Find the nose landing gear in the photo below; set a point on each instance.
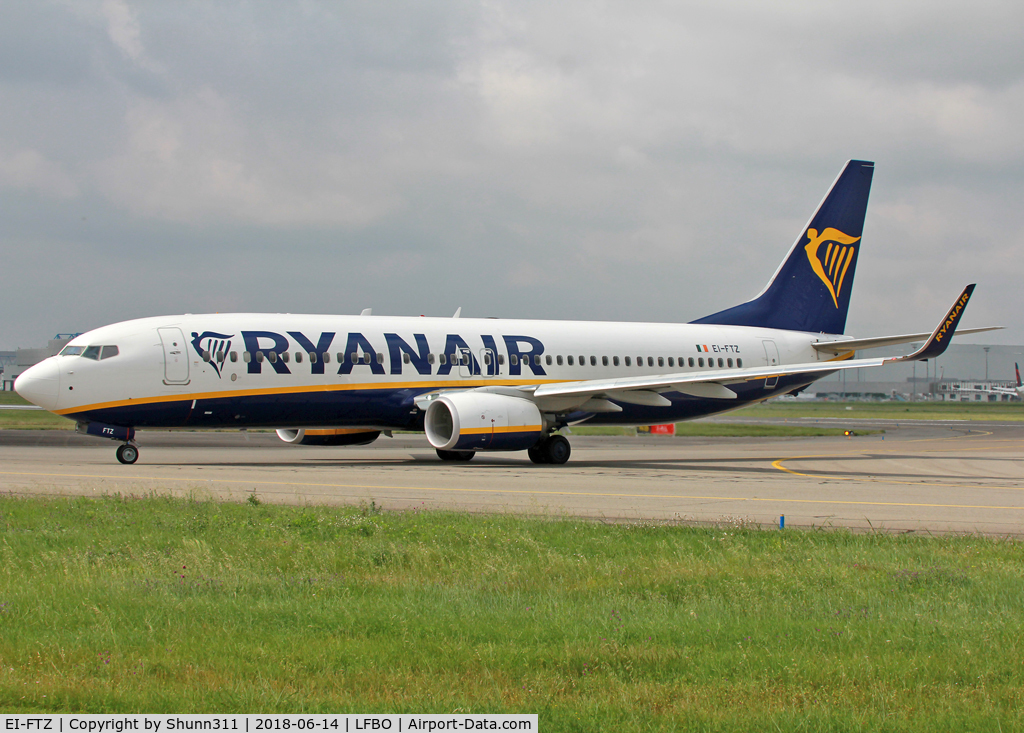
(127, 453)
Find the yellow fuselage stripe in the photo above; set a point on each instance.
(303, 390)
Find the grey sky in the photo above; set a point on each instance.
(623, 161)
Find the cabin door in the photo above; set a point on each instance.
(175, 355)
(771, 354)
(465, 362)
(488, 363)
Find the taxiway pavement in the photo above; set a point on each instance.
(920, 476)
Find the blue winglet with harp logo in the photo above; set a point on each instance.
(811, 289)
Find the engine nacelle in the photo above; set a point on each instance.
(482, 421)
(334, 436)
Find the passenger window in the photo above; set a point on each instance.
(583, 360)
(729, 362)
(604, 361)
(405, 358)
(286, 356)
(513, 359)
(234, 357)
(700, 361)
(721, 362)
(671, 361)
(327, 357)
(629, 361)
(246, 357)
(298, 357)
(559, 360)
(615, 360)
(501, 359)
(650, 361)
(273, 357)
(739, 363)
(430, 358)
(569, 360)
(220, 355)
(443, 359)
(690, 361)
(593, 361)
(259, 357)
(380, 357)
(206, 354)
(487, 358)
(548, 359)
(366, 358)
(354, 357)
(661, 361)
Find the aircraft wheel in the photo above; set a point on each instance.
(556, 450)
(536, 454)
(127, 453)
(455, 455)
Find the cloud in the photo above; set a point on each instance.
(603, 161)
(28, 170)
(192, 159)
(123, 29)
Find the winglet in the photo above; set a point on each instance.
(1017, 369)
(939, 340)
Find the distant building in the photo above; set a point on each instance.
(962, 364)
(22, 359)
(974, 391)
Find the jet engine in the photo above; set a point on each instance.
(340, 436)
(471, 421)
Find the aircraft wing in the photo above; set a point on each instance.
(715, 384)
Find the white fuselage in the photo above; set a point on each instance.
(247, 370)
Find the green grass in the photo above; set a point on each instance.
(1012, 411)
(12, 398)
(161, 605)
(698, 428)
(29, 419)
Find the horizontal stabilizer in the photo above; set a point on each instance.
(845, 347)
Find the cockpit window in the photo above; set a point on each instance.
(90, 352)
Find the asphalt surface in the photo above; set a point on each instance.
(920, 476)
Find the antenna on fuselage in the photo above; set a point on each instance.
(367, 312)
(458, 312)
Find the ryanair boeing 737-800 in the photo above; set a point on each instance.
(476, 384)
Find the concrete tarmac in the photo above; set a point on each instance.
(920, 476)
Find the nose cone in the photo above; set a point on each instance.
(40, 384)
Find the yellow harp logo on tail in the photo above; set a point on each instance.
(831, 265)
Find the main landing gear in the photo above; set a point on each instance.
(127, 453)
(554, 449)
(456, 455)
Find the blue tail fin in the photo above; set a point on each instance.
(811, 289)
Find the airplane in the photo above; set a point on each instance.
(1017, 391)
(475, 385)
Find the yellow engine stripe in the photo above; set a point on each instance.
(506, 429)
